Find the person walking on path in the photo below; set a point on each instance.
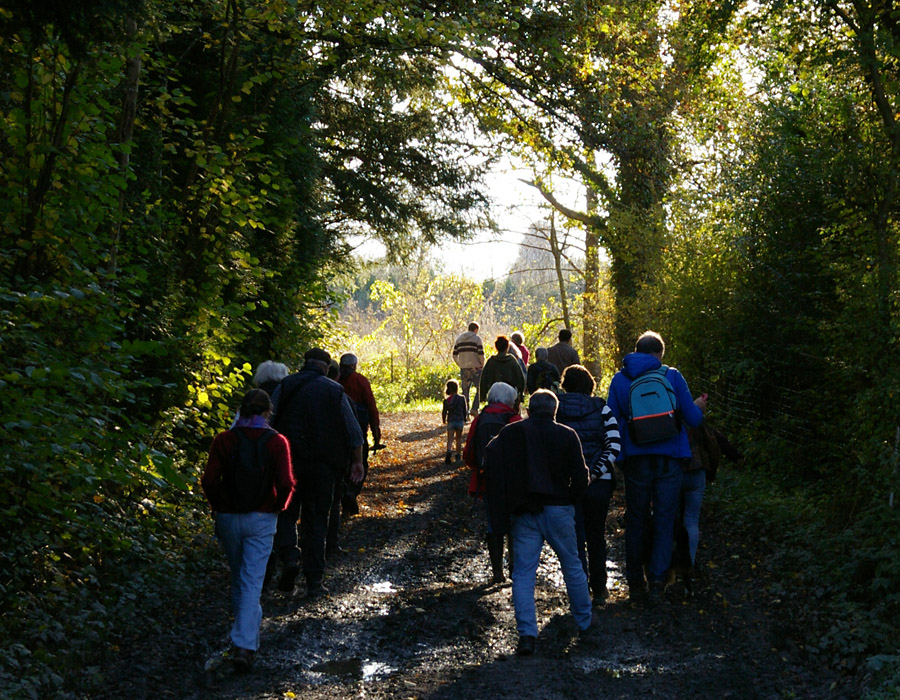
(501, 409)
(652, 469)
(316, 416)
(562, 354)
(535, 475)
(598, 430)
(468, 353)
(453, 415)
(518, 340)
(541, 373)
(246, 506)
(359, 391)
(502, 367)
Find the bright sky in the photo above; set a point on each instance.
(488, 256)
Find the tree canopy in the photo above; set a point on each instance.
(181, 185)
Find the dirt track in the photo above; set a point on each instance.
(410, 616)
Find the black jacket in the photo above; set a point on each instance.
(309, 415)
(531, 464)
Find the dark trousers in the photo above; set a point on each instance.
(652, 485)
(590, 526)
(317, 494)
(285, 544)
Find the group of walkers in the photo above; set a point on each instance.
(550, 477)
(304, 428)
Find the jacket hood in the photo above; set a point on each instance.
(636, 363)
(576, 406)
(508, 357)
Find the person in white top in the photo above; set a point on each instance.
(468, 353)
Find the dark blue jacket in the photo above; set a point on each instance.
(584, 414)
(308, 414)
(635, 365)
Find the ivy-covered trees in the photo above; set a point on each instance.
(178, 183)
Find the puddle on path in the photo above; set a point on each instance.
(355, 668)
(382, 587)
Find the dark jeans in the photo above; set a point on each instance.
(316, 495)
(650, 481)
(590, 526)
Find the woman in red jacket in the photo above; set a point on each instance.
(248, 482)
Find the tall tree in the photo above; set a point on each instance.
(591, 88)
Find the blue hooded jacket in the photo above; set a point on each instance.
(635, 365)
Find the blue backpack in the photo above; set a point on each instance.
(653, 414)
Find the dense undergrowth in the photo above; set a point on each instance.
(838, 577)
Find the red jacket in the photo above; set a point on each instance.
(358, 389)
(223, 447)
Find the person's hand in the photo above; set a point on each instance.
(356, 471)
(701, 401)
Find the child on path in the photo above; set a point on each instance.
(454, 415)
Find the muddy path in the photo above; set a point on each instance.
(410, 615)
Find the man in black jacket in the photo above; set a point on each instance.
(535, 473)
(315, 415)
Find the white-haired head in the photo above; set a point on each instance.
(270, 371)
(501, 392)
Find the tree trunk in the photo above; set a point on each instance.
(591, 304)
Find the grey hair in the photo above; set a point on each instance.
(543, 403)
(541, 353)
(501, 392)
(270, 371)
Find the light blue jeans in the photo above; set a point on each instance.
(693, 484)
(556, 526)
(247, 541)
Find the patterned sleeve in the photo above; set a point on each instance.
(612, 442)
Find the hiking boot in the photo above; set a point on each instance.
(599, 596)
(242, 660)
(495, 551)
(591, 628)
(657, 592)
(526, 645)
(637, 592)
(448, 458)
(288, 575)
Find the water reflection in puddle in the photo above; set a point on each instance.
(382, 587)
(356, 668)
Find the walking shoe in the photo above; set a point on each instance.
(242, 660)
(288, 574)
(316, 590)
(599, 596)
(447, 459)
(526, 646)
